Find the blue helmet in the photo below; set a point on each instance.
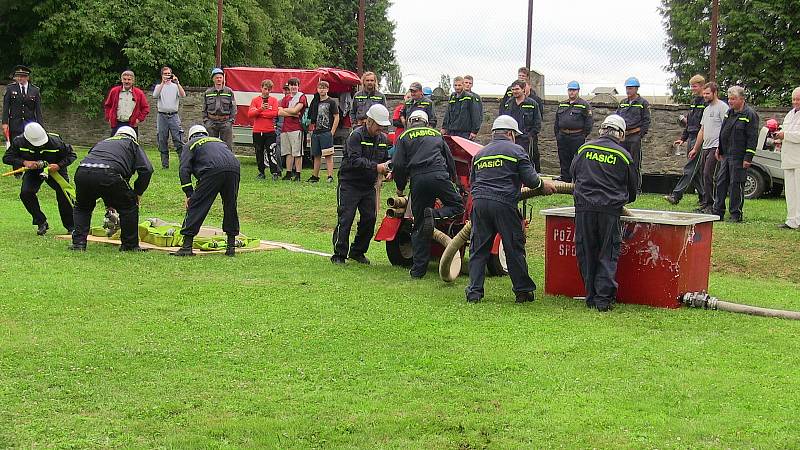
(574, 85)
(427, 91)
(632, 82)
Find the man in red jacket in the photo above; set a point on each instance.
(126, 105)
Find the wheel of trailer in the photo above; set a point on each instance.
(399, 250)
(755, 185)
(498, 266)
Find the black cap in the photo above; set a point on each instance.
(22, 70)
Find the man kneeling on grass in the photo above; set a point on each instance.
(217, 171)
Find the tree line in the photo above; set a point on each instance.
(78, 48)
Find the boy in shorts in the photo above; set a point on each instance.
(324, 125)
(291, 110)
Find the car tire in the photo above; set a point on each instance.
(755, 184)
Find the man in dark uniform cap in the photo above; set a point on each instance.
(22, 104)
(105, 173)
(45, 157)
(217, 171)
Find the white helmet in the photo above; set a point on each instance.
(505, 122)
(35, 134)
(379, 114)
(197, 129)
(615, 122)
(127, 131)
(418, 115)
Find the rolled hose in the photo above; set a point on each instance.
(449, 265)
(397, 202)
(706, 301)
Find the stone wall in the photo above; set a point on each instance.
(74, 126)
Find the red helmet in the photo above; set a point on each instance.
(772, 125)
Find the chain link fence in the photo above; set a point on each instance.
(599, 44)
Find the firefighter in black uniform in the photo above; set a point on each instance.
(636, 112)
(212, 162)
(22, 104)
(737, 146)
(463, 114)
(422, 155)
(526, 112)
(498, 172)
(572, 126)
(605, 180)
(46, 157)
(419, 102)
(365, 154)
(105, 173)
(693, 169)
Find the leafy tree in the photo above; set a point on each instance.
(394, 81)
(758, 46)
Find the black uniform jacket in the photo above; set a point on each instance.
(124, 156)
(421, 150)
(362, 154)
(204, 155)
(604, 176)
(499, 170)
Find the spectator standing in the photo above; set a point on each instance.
(790, 162)
(22, 104)
(707, 142)
(324, 122)
(219, 109)
(524, 111)
(468, 82)
(462, 116)
(291, 109)
(636, 112)
(262, 113)
(365, 98)
(693, 169)
(126, 105)
(419, 101)
(169, 93)
(737, 146)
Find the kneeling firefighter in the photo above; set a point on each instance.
(605, 179)
(105, 173)
(498, 172)
(217, 171)
(422, 155)
(43, 157)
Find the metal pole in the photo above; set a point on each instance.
(219, 33)
(712, 75)
(361, 20)
(530, 34)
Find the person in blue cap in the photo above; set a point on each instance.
(636, 112)
(572, 126)
(219, 108)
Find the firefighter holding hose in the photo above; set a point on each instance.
(606, 179)
(422, 155)
(498, 172)
(43, 157)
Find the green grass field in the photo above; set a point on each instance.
(284, 350)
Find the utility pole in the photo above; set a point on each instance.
(530, 34)
(219, 34)
(362, 6)
(712, 75)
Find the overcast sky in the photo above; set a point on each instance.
(598, 43)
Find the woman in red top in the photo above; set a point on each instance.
(262, 113)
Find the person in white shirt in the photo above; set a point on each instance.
(790, 162)
(169, 93)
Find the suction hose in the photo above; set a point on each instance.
(449, 265)
(705, 301)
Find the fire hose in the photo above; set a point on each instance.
(449, 265)
(706, 301)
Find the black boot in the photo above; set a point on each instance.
(230, 247)
(42, 228)
(186, 248)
